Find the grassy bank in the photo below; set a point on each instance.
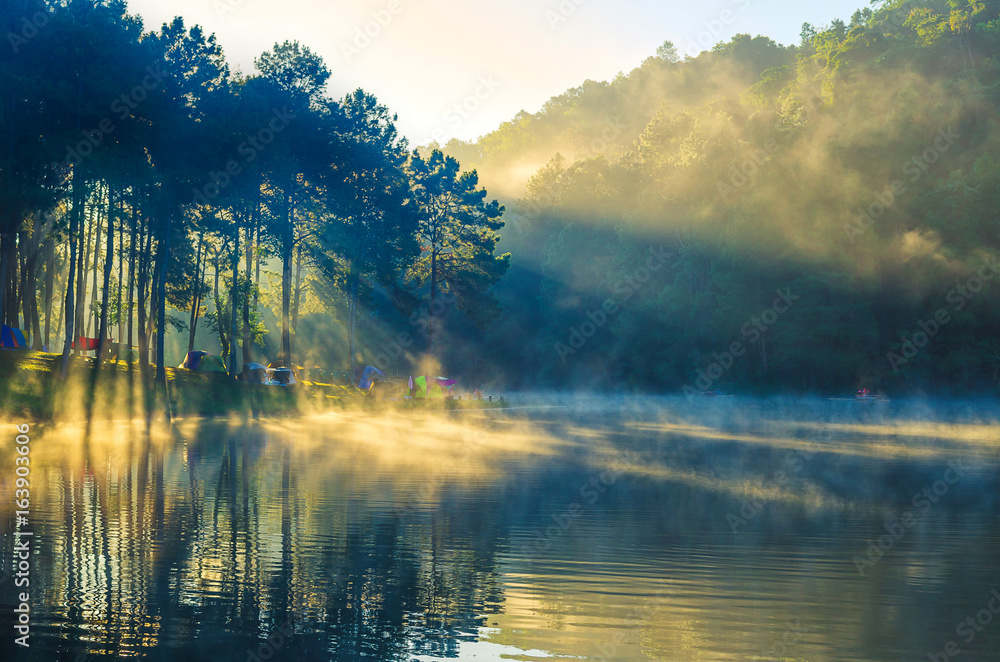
(33, 388)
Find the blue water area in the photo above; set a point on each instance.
(592, 529)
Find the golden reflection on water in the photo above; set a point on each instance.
(381, 536)
(894, 440)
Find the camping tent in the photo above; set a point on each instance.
(368, 377)
(192, 360)
(254, 373)
(431, 387)
(212, 363)
(128, 355)
(12, 338)
(83, 344)
(203, 362)
(282, 376)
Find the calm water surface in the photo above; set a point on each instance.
(726, 529)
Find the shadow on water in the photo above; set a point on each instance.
(609, 530)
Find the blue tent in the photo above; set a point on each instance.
(193, 360)
(368, 377)
(12, 338)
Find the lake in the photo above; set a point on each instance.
(593, 529)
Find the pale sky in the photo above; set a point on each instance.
(422, 58)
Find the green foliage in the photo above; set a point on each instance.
(458, 234)
(752, 166)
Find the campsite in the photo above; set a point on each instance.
(32, 386)
(447, 331)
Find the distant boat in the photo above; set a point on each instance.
(716, 393)
(864, 395)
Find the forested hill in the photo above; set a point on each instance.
(818, 217)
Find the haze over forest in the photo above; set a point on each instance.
(815, 217)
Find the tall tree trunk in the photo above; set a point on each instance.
(24, 297)
(81, 280)
(143, 291)
(352, 319)
(109, 260)
(223, 336)
(61, 316)
(256, 232)
(298, 288)
(196, 293)
(50, 267)
(286, 281)
(161, 301)
(4, 268)
(36, 326)
(121, 273)
(30, 283)
(96, 258)
(234, 296)
(434, 288)
(131, 267)
(247, 340)
(13, 282)
(75, 220)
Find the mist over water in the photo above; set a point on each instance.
(585, 528)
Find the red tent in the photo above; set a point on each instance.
(85, 344)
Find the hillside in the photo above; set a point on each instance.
(817, 217)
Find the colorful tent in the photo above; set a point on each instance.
(193, 360)
(83, 344)
(11, 338)
(431, 387)
(212, 363)
(200, 361)
(368, 377)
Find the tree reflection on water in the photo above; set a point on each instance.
(589, 534)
